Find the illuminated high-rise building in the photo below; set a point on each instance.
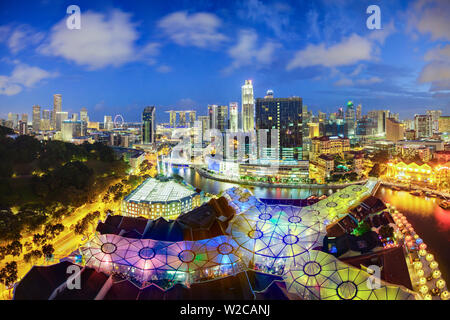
(192, 116)
(248, 107)
(148, 125)
(172, 118)
(57, 105)
(25, 117)
(84, 115)
(107, 122)
(423, 125)
(435, 115)
(36, 118)
(234, 116)
(59, 118)
(218, 117)
(284, 114)
(350, 120)
(358, 112)
(444, 124)
(395, 130)
(14, 118)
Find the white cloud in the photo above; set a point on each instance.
(347, 82)
(103, 40)
(381, 35)
(19, 37)
(164, 69)
(437, 70)
(198, 29)
(430, 17)
(246, 51)
(275, 16)
(344, 82)
(347, 52)
(23, 76)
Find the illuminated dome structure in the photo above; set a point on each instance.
(279, 240)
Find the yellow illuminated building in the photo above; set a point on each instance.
(437, 175)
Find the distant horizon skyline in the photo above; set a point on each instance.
(188, 54)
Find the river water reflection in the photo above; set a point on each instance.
(429, 220)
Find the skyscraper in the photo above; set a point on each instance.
(172, 118)
(358, 112)
(25, 117)
(395, 130)
(14, 118)
(84, 115)
(423, 125)
(284, 114)
(248, 107)
(350, 121)
(36, 118)
(57, 102)
(218, 117)
(379, 117)
(107, 122)
(234, 116)
(148, 125)
(192, 116)
(435, 115)
(60, 117)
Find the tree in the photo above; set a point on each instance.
(14, 248)
(47, 251)
(8, 275)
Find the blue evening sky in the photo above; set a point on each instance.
(188, 54)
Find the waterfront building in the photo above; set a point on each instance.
(248, 107)
(162, 197)
(431, 175)
(394, 130)
(423, 125)
(329, 146)
(322, 168)
(285, 115)
(36, 118)
(148, 125)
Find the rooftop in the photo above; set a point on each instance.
(160, 191)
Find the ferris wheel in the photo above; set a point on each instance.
(118, 121)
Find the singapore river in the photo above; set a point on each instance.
(429, 220)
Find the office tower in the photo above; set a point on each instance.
(23, 127)
(423, 125)
(172, 118)
(378, 117)
(410, 134)
(74, 117)
(409, 124)
(46, 120)
(435, 115)
(36, 118)
(313, 130)
(358, 112)
(57, 103)
(59, 118)
(14, 118)
(84, 115)
(284, 114)
(350, 121)
(25, 117)
(192, 116)
(248, 107)
(322, 116)
(107, 122)
(218, 117)
(340, 114)
(71, 129)
(148, 125)
(204, 123)
(395, 116)
(444, 124)
(395, 130)
(234, 116)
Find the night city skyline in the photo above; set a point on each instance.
(192, 54)
(213, 158)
